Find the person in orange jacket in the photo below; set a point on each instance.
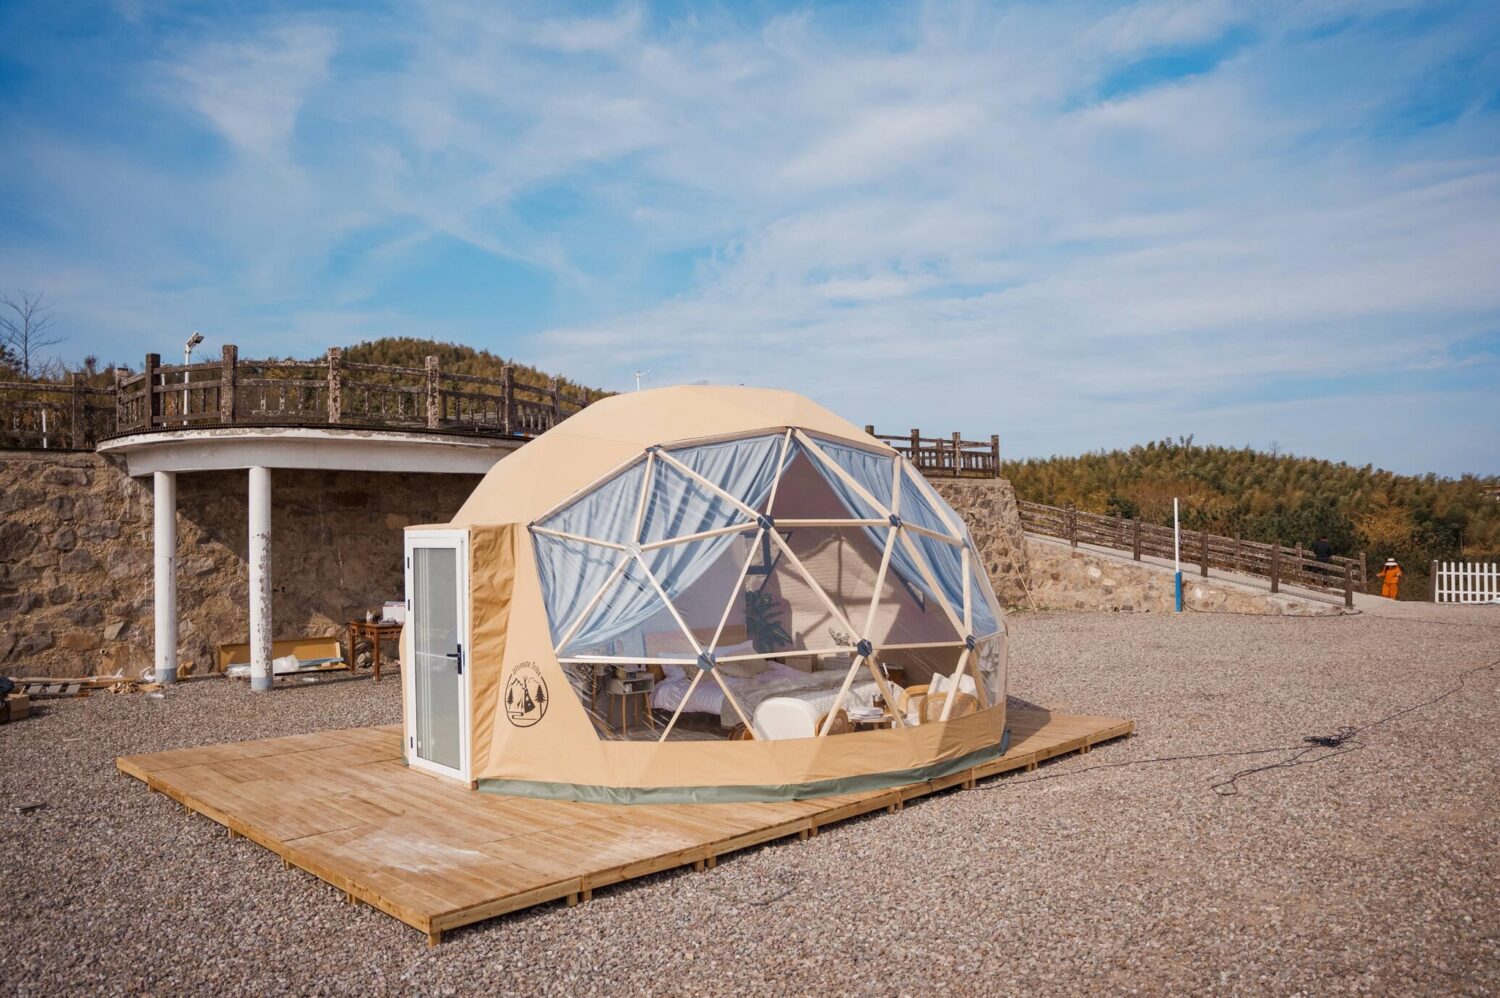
(1391, 576)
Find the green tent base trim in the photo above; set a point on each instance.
(743, 794)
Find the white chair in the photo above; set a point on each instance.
(785, 717)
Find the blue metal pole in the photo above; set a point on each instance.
(1179, 592)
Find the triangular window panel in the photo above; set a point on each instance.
(680, 505)
(845, 563)
(744, 468)
(924, 507)
(701, 578)
(627, 622)
(982, 599)
(571, 572)
(872, 471)
(606, 512)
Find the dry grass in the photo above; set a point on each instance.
(1372, 870)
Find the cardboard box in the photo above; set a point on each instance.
(15, 707)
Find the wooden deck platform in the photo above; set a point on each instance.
(436, 855)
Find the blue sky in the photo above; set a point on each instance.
(1077, 225)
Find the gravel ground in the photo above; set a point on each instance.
(1373, 870)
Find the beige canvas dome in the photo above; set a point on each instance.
(587, 446)
(702, 593)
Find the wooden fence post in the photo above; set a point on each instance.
(870, 429)
(229, 378)
(153, 399)
(336, 386)
(1072, 525)
(958, 454)
(1364, 574)
(995, 452)
(78, 442)
(556, 400)
(434, 403)
(1348, 586)
(1276, 569)
(508, 400)
(1135, 542)
(1434, 580)
(1203, 552)
(916, 448)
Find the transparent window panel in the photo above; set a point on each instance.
(745, 468)
(845, 563)
(982, 597)
(678, 506)
(607, 512)
(805, 493)
(572, 572)
(872, 471)
(909, 667)
(435, 644)
(993, 664)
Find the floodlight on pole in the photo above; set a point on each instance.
(187, 359)
(187, 348)
(638, 376)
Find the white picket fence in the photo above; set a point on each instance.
(1465, 582)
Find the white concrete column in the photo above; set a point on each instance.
(260, 578)
(164, 588)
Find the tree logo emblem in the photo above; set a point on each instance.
(526, 696)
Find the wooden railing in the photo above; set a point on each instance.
(332, 391)
(1277, 563)
(54, 416)
(947, 457)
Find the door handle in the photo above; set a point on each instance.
(457, 656)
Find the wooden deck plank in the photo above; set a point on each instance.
(436, 855)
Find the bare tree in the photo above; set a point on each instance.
(25, 331)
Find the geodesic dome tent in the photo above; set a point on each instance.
(701, 594)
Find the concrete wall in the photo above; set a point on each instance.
(75, 557)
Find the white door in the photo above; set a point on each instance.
(437, 570)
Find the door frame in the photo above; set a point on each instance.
(456, 540)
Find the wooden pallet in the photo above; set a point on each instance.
(343, 807)
(48, 689)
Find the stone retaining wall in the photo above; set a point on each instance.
(76, 558)
(988, 506)
(1067, 578)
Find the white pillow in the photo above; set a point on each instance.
(674, 671)
(939, 682)
(748, 669)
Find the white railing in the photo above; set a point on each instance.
(1465, 582)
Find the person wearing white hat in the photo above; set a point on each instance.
(1391, 579)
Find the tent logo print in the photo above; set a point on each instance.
(526, 696)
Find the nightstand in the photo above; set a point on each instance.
(632, 695)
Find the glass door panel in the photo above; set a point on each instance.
(437, 646)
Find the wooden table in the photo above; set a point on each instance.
(885, 720)
(377, 631)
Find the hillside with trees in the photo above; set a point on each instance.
(408, 351)
(1279, 497)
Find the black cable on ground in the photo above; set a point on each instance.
(1305, 754)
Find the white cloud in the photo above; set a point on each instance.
(252, 91)
(930, 221)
